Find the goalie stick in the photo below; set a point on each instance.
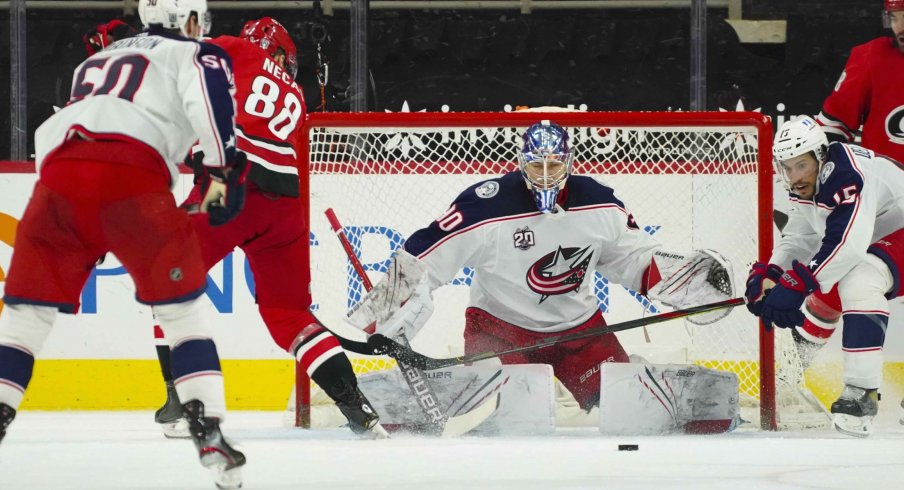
(439, 423)
(402, 353)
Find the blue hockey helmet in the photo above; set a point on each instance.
(546, 161)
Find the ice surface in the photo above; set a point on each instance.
(125, 450)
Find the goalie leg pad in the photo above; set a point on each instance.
(655, 399)
(526, 405)
(575, 363)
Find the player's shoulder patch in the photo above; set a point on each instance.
(487, 189)
(827, 169)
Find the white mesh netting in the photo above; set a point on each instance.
(689, 187)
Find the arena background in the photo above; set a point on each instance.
(468, 60)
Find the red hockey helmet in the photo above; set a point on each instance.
(271, 36)
(891, 5)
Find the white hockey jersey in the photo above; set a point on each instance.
(859, 200)
(162, 90)
(532, 269)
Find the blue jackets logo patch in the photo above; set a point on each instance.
(559, 272)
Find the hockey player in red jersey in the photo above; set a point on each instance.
(868, 93)
(106, 163)
(270, 109)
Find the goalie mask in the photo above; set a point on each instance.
(546, 161)
(795, 138)
(272, 37)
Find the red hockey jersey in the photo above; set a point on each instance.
(869, 94)
(269, 112)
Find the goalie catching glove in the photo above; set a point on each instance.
(684, 280)
(400, 304)
(223, 190)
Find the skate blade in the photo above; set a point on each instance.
(375, 432)
(853, 426)
(226, 473)
(176, 430)
(227, 479)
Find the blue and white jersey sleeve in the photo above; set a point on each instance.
(799, 240)
(628, 250)
(453, 241)
(208, 90)
(852, 201)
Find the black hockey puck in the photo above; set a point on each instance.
(628, 447)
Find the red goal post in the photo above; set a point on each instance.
(700, 179)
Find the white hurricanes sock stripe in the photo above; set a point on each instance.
(206, 387)
(11, 394)
(311, 343)
(335, 351)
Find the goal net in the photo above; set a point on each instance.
(692, 180)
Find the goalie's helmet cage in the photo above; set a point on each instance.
(174, 14)
(545, 161)
(798, 137)
(271, 36)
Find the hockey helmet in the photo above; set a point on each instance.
(174, 14)
(271, 36)
(892, 5)
(546, 161)
(798, 137)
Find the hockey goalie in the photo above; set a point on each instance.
(534, 237)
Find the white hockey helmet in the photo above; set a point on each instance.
(798, 137)
(174, 14)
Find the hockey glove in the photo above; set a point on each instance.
(761, 279)
(782, 305)
(103, 35)
(223, 191)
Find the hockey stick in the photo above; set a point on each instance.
(402, 353)
(439, 423)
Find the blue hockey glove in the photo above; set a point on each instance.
(782, 306)
(760, 281)
(223, 190)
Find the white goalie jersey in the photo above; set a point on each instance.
(160, 90)
(533, 269)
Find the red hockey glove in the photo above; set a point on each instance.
(223, 190)
(782, 305)
(757, 285)
(104, 34)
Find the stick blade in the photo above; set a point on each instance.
(464, 423)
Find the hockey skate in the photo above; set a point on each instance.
(362, 418)
(7, 414)
(853, 412)
(170, 417)
(215, 452)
